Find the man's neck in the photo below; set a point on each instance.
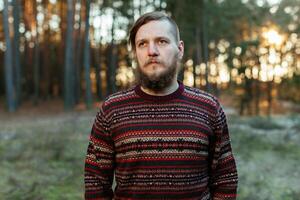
(166, 91)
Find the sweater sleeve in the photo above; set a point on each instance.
(99, 162)
(223, 172)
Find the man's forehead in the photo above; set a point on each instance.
(155, 29)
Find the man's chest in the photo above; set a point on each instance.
(172, 132)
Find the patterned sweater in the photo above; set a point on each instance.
(160, 147)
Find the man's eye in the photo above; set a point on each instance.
(141, 44)
(162, 42)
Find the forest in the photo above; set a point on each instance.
(77, 51)
(60, 59)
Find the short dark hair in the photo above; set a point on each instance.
(151, 16)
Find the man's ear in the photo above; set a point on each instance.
(181, 49)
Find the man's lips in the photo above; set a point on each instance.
(153, 62)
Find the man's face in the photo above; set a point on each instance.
(158, 54)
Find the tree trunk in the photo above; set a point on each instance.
(16, 50)
(270, 99)
(177, 13)
(36, 70)
(78, 58)
(28, 70)
(140, 7)
(111, 65)
(98, 63)
(46, 63)
(69, 101)
(198, 51)
(257, 96)
(8, 63)
(86, 58)
(205, 45)
(62, 48)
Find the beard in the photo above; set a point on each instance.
(158, 82)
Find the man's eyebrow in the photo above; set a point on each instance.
(156, 38)
(162, 37)
(141, 40)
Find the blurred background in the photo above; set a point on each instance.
(60, 59)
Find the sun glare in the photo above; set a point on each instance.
(273, 37)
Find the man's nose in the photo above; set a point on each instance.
(152, 49)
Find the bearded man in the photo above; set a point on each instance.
(161, 139)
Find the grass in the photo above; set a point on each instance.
(43, 158)
(268, 159)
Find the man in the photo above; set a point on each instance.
(161, 139)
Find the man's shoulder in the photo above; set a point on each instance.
(123, 95)
(201, 95)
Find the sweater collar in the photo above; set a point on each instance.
(168, 97)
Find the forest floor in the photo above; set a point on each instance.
(42, 153)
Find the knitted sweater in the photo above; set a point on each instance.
(160, 147)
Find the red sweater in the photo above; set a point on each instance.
(160, 147)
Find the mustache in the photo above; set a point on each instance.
(150, 61)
